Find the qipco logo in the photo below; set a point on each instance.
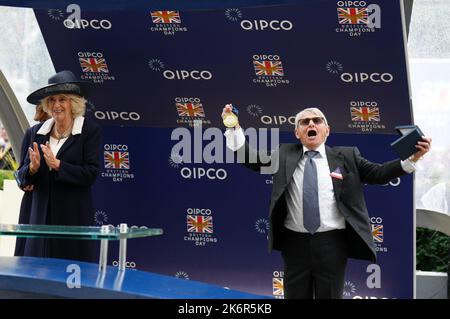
(96, 55)
(74, 20)
(128, 264)
(266, 57)
(376, 220)
(184, 74)
(113, 115)
(201, 173)
(277, 119)
(363, 103)
(187, 100)
(278, 274)
(116, 147)
(261, 25)
(199, 211)
(362, 77)
(84, 24)
(360, 4)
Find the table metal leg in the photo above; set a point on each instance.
(122, 254)
(103, 255)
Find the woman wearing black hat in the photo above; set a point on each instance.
(62, 165)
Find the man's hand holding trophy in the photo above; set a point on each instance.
(229, 116)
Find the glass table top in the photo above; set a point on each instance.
(108, 232)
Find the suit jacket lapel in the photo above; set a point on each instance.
(66, 145)
(292, 158)
(335, 160)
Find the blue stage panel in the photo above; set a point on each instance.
(47, 277)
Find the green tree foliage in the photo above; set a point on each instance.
(8, 164)
(432, 250)
(5, 174)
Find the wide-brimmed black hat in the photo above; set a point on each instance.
(62, 82)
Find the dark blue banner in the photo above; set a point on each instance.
(124, 5)
(156, 71)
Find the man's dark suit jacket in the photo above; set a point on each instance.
(356, 171)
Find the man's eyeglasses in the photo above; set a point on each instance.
(316, 120)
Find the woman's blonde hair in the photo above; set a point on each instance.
(78, 104)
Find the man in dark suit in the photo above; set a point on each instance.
(318, 216)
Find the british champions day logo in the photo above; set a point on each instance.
(357, 17)
(278, 284)
(199, 223)
(116, 159)
(167, 22)
(190, 111)
(377, 229)
(269, 70)
(94, 67)
(365, 116)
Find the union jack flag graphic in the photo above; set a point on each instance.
(97, 65)
(190, 109)
(199, 224)
(365, 114)
(278, 286)
(117, 160)
(268, 68)
(165, 16)
(377, 233)
(352, 15)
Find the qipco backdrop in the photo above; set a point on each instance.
(161, 69)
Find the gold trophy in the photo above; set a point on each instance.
(230, 119)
